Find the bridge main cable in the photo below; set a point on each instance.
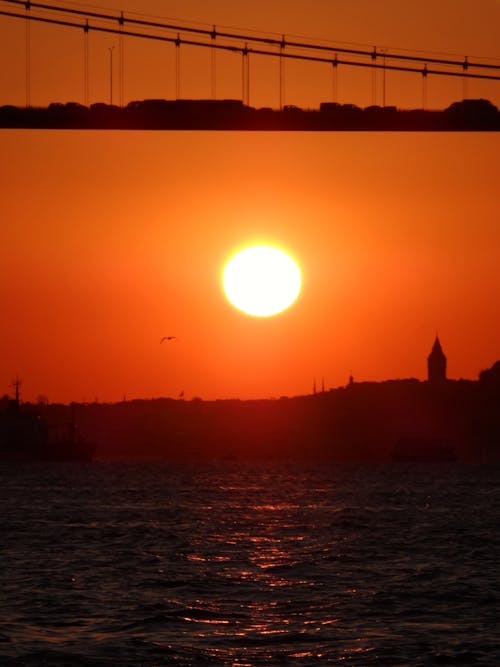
(239, 49)
(373, 54)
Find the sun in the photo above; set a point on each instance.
(262, 280)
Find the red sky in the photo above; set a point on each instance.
(111, 240)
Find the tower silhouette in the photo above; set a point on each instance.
(436, 364)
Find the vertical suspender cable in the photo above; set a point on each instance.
(245, 75)
(424, 87)
(177, 67)
(384, 86)
(213, 65)
(248, 80)
(335, 79)
(374, 77)
(282, 71)
(86, 63)
(465, 91)
(28, 55)
(111, 49)
(244, 53)
(121, 59)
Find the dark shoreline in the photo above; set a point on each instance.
(397, 420)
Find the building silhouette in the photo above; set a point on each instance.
(436, 364)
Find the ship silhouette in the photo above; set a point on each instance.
(26, 436)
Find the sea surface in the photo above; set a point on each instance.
(249, 564)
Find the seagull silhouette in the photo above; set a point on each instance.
(168, 338)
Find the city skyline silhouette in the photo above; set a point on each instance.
(402, 420)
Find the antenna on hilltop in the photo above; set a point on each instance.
(16, 383)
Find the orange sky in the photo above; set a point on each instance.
(111, 240)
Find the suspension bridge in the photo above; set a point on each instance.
(279, 52)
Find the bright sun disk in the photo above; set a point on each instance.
(261, 281)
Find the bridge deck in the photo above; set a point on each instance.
(468, 115)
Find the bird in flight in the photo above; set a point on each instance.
(168, 338)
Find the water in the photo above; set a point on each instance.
(235, 564)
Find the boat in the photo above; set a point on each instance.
(25, 436)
